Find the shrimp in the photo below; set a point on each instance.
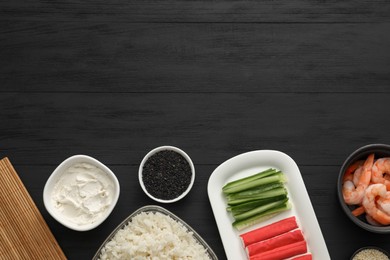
(356, 175)
(384, 203)
(353, 194)
(380, 170)
(358, 211)
(370, 206)
(349, 172)
(373, 222)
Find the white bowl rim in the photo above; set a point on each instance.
(171, 148)
(58, 171)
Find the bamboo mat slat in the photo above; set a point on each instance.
(24, 233)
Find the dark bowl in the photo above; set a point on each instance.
(380, 150)
(370, 247)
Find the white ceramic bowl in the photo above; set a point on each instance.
(156, 150)
(56, 176)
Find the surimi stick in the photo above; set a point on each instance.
(303, 257)
(282, 252)
(271, 230)
(274, 242)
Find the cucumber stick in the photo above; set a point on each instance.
(243, 207)
(264, 195)
(241, 224)
(246, 194)
(254, 191)
(259, 210)
(249, 179)
(276, 177)
(256, 198)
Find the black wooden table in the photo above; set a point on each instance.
(115, 79)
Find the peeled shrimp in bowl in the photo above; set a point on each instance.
(353, 191)
(381, 172)
(364, 187)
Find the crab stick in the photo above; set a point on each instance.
(271, 230)
(275, 242)
(303, 257)
(282, 252)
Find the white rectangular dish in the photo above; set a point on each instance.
(250, 163)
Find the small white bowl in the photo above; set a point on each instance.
(159, 149)
(56, 176)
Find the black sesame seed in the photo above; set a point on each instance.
(166, 174)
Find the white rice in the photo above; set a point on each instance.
(153, 236)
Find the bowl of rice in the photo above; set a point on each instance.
(153, 232)
(370, 252)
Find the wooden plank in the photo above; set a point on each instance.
(24, 233)
(359, 11)
(120, 128)
(120, 57)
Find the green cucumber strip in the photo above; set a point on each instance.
(243, 207)
(250, 178)
(259, 210)
(254, 191)
(279, 176)
(264, 195)
(241, 224)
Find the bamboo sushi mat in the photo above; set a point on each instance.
(24, 233)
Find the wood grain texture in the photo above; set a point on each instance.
(115, 79)
(24, 233)
(358, 11)
(120, 128)
(120, 57)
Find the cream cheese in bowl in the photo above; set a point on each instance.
(81, 193)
